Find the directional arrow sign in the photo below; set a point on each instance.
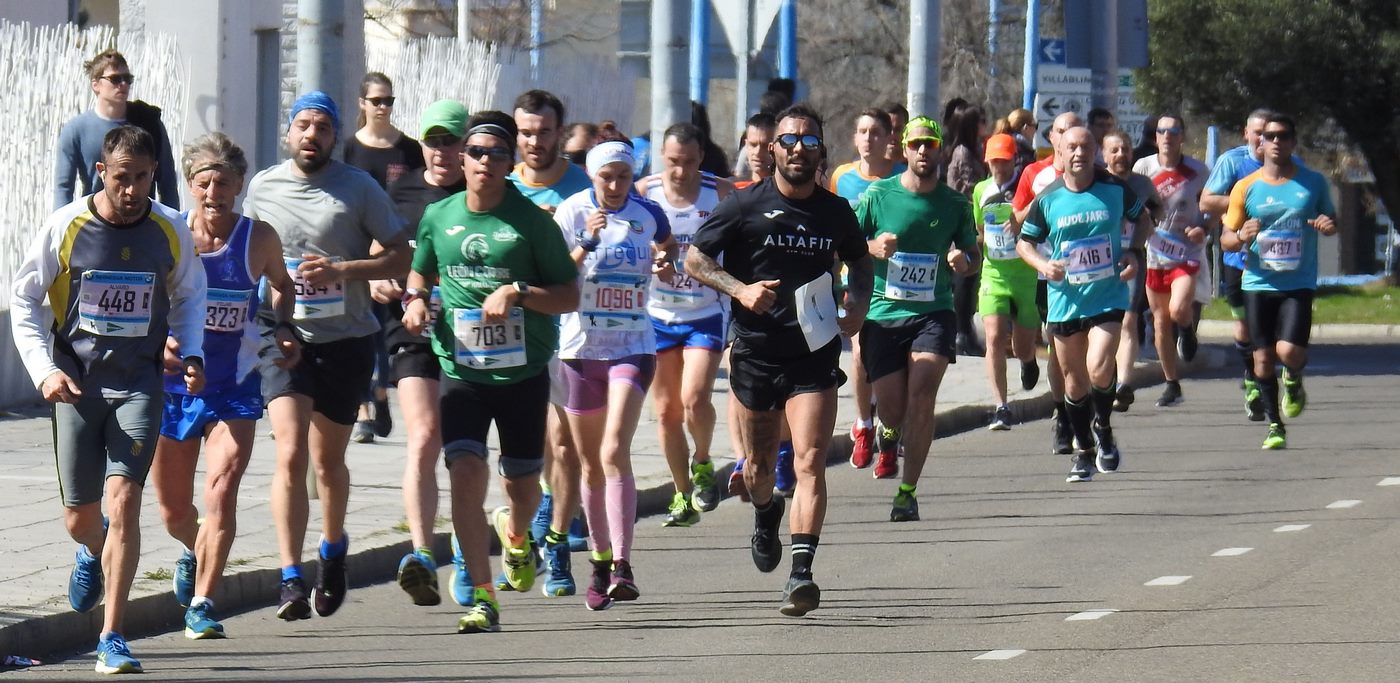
(1052, 51)
(1051, 107)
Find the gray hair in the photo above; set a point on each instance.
(214, 151)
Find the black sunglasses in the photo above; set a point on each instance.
(1169, 131)
(790, 140)
(440, 140)
(493, 153)
(1276, 135)
(380, 101)
(118, 79)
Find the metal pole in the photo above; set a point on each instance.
(741, 65)
(669, 102)
(1105, 61)
(464, 22)
(924, 44)
(1032, 58)
(787, 39)
(700, 51)
(1212, 145)
(320, 50)
(536, 37)
(993, 24)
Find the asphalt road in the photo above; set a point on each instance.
(1012, 574)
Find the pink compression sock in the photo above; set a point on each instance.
(622, 514)
(595, 510)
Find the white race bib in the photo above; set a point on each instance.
(1280, 250)
(226, 310)
(616, 303)
(816, 312)
(115, 303)
(681, 292)
(1001, 244)
(488, 346)
(1088, 260)
(1167, 246)
(910, 276)
(315, 302)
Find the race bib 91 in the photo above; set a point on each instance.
(1001, 244)
(115, 303)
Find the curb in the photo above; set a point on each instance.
(1320, 332)
(70, 632)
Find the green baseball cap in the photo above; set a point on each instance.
(449, 115)
(935, 131)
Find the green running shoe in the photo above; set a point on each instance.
(517, 564)
(485, 615)
(1253, 401)
(1277, 438)
(705, 496)
(1295, 397)
(906, 507)
(681, 513)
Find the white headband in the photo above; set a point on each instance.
(610, 152)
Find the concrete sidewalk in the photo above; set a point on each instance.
(36, 554)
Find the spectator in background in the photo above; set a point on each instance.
(1148, 145)
(952, 106)
(713, 162)
(80, 140)
(579, 138)
(1101, 121)
(899, 116)
(770, 102)
(965, 169)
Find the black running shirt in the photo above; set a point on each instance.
(759, 234)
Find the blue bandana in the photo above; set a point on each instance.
(320, 101)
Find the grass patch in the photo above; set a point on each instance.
(161, 574)
(1373, 304)
(402, 526)
(239, 562)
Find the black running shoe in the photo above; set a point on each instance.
(1030, 375)
(1083, 468)
(1108, 458)
(1123, 398)
(766, 545)
(1171, 395)
(1187, 343)
(1063, 443)
(383, 419)
(332, 580)
(800, 596)
(292, 603)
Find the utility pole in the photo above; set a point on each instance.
(320, 50)
(1032, 55)
(787, 40)
(669, 101)
(925, 42)
(1104, 85)
(700, 51)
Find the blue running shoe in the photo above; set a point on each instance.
(785, 478)
(184, 578)
(578, 535)
(559, 577)
(200, 623)
(114, 657)
(544, 514)
(85, 583)
(462, 590)
(418, 577)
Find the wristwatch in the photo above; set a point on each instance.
(521, 288)
(412, 293)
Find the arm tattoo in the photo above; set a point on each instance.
(860, 278)
(706, 270)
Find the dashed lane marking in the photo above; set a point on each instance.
(1168, 581)
(1343, 504)
(1231, 552)
(1090, 615)
(1291, 527)
(999, 655)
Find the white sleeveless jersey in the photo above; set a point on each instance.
(682, 299)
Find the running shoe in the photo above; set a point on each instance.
(200, 623)
(1187, 343)
(332, 582)
(544, 516)
(1253, 401)
(596, 598)
(1171, 395)
(621, 586)
(1001, 418)
(1277, 438)
(578, 534)
(968, 345)
(1295, 397)
(681, 513)
(766, 546)
(558, 563)
(184, 578)
(114, 657)
(1123, 398)
(887, 465)
(705, 490)
(906, 507)
(85, 583)
(383, 419)
(363, 432)
(291, 602)
(418, 577)
(1030, 375)
(737, 487)
(1062, 434)
(517, 563)
(484, 617)
(1083, 468)
(463, 592)
(800, 596)
(784, 475)
(1108, 458)
(862, 446)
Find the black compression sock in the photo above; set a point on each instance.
(1081, 416)
(804, 550)
(1246, 359)
(1268, 391)
(1103, 403)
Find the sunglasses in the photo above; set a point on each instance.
(118, 79)
(481, 153)
(1169, 131)
(380, 101)
(788, 141)
(915, 143)
(1276, 135)
(441, 140)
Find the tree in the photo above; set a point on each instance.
(1323, 61)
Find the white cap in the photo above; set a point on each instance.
(610, 152)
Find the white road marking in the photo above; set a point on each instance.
(997, 655)
(1231, 552)
(1090, 615)
(1389, 481)
(1343, 504)
(21, 477)
(1291, 527)
(1168, 581)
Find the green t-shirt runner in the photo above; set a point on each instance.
(916, 279)
(991, 208)
(472, 254)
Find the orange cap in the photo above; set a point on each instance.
(1000, 146)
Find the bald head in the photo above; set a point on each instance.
(1062, 123)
